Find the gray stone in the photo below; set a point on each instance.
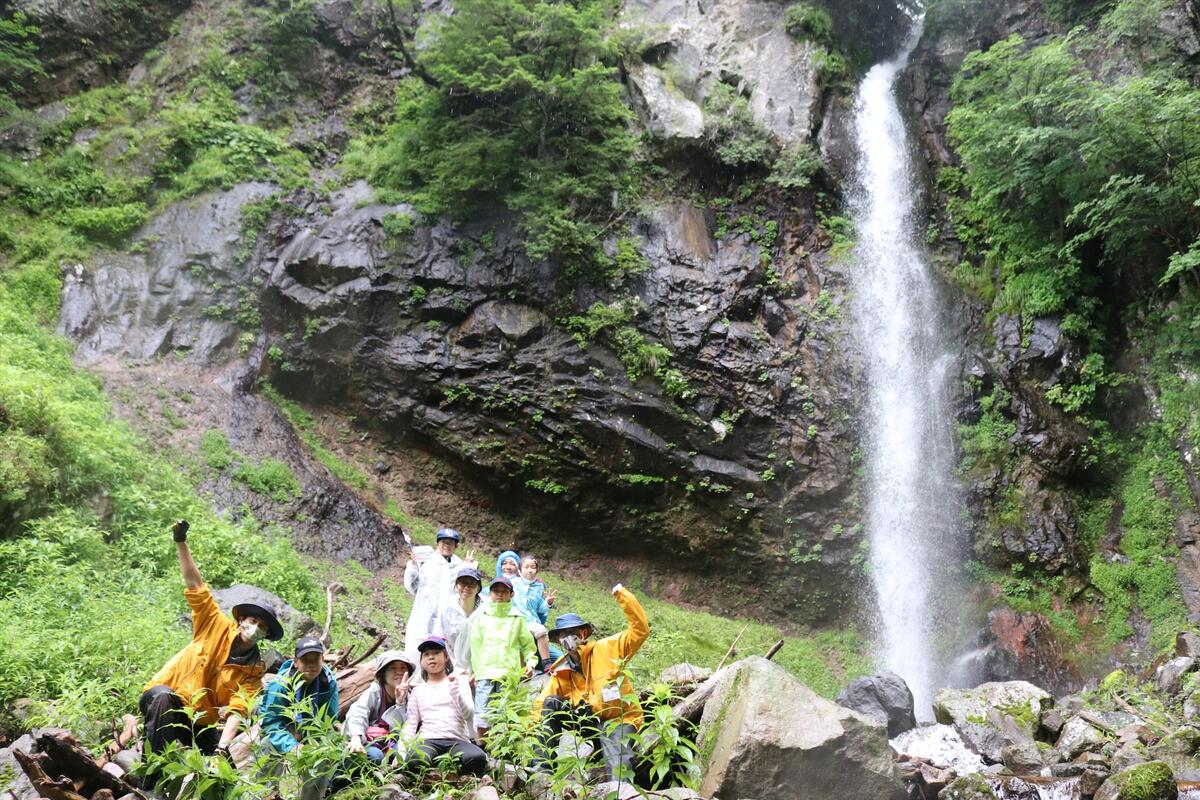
(1168, 679)
(693, 45)
(1090, 781)
(771, 736)
(667, 114)
(969, 787)
(685, 673)
(140, 306)
(884, 697)
(1128, 756)
(1177, 749)
(1078, 735)
(19, 787)
(614, 790)
(940, 745)
(993, 715)
(1023, 758)
(1187, 643)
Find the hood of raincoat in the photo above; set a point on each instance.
(508, 554)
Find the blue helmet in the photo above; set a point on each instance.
(449, 533)
(567, 622)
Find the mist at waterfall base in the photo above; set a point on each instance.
(913, 501)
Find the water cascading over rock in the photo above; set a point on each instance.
(913, 501)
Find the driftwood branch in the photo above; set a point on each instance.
(370, 651)
(330, 590)
(733, 646)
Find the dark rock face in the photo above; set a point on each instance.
(884, 697)
(183, 293)
(451, 337)
(117, 33)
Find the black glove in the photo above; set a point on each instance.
(179, 530)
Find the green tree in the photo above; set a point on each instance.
(516, 101)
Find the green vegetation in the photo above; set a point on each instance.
(1147, 578)
(18, 56)
(215, 450)
(86, 514)
(731, 132)
(985, 443)
(514, 101)
(805, 21)
(1070, 180)
(608, 322)
(272, 477)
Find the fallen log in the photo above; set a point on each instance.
(73, 762)
(50, 788)
(352, 682)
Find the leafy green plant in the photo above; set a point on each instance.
(271, 477)
(215, 450)
(806, 21)
(731, 132)
(109, 224)
(795, 167)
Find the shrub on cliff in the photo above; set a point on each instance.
(518, 103)
(1074, 186)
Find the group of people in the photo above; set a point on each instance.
(434, 701)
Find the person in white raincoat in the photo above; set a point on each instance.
(430, 579)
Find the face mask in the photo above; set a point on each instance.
(570, 642)
(251, 630)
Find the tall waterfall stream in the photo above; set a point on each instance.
(912, 498)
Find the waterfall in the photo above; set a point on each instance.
(912, 498)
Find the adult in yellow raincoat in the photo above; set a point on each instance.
(588, 689)
(220, 667)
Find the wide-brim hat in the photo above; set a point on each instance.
(391, 657)
(274, 629)
(567, 622)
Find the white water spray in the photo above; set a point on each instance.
(912, 497)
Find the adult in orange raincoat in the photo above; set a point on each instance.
(588, 689)
(220, 667)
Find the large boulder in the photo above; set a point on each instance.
(884, 697)
(690, 46)
(1019, 701)
(765, 735)
(1168, 679)
(1078, 736)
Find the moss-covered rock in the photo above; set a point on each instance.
(1150, 781)
(969, 787)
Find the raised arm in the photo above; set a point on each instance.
(191, 574)
(638, 630)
